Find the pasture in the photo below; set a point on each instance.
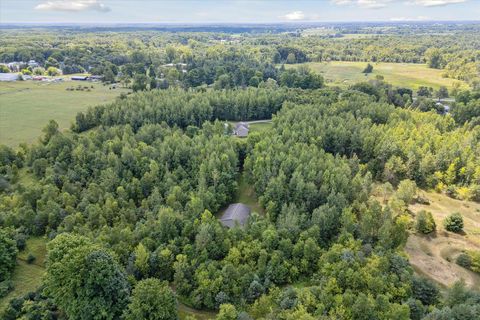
(410, 75)
(27, 106)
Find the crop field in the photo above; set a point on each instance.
(408, 75)
(27, 106)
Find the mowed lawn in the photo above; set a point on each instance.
(27, 106)
(410, 75)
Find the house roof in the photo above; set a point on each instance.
(241, 124)
(242, 132)
(235, 213)
(8, 76)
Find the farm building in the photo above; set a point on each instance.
(241, 129)
(236, 213)
(33, 64)
(8, 77)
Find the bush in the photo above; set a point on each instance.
(368, 69)
(407, 191)
(425, 291)
(8, 255)
(454, 222)
(422, 200)
(21, 240)
(31, 258)
(425, 223)
(5, 287)
(464, 260)
(475, 259)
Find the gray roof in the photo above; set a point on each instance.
(8, 76)
(238, 125)
(235, 213)
(241, 131)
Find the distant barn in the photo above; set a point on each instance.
(8, 77)
(241, 129)
(236, 213)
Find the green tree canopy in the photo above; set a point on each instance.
(152, 299)
(84, 280)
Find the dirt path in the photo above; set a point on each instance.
(259, 121)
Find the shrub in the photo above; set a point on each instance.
(5, 287)
(425, 291)
(454, 222)
(407, 191)
(21, 241)
(464, 260)
(368, 68)
(8, 254)
(425, 223)
(422, 200)
(31, 258)
(475, 260)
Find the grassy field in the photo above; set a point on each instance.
(260, 126)
(399, 74)
(27, 277)
(27, 106)
(434, 255)
(184, 312)
(255, 126)
(246, 195)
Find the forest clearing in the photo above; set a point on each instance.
(410, 75)
(434, 255)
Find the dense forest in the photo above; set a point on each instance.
(129, 196)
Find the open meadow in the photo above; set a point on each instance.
(27, 106)
(434, 255)
(410, 75)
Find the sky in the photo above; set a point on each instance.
(234, 11)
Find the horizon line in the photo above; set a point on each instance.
(227, 22)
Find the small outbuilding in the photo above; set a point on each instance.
(241, 129)
(8, 77)
(236, 213)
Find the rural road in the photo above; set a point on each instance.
(258, 121)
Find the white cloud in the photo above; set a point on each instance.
(419, 18)
(372, 4)
(342, 2)
(369, 4)
(436, 3)
(376, 4)
(294, 16)
(72, 5)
